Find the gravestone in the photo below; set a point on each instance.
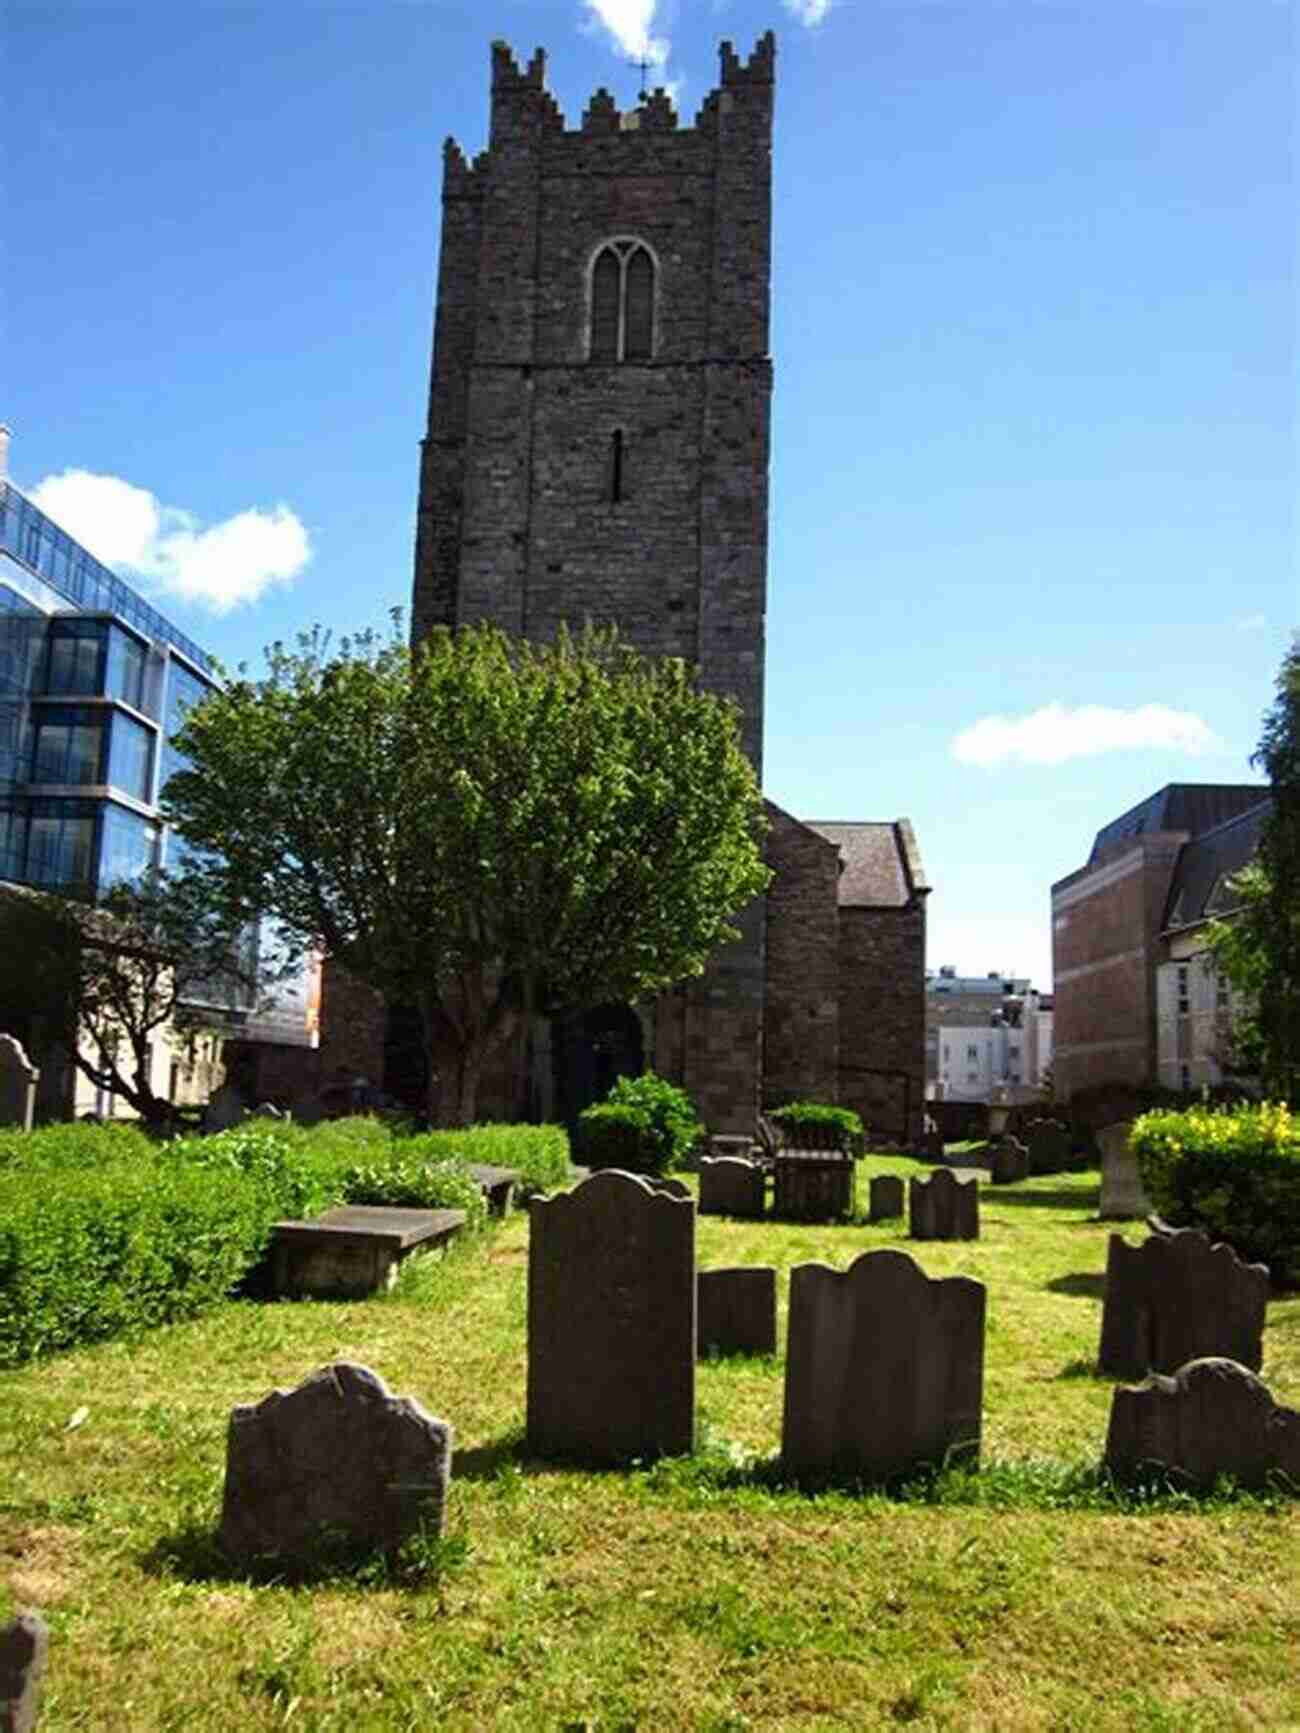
(18, 1080)
(1176, 1298)
(737, 1311)
(943, 1207)
(886, 1197)
(731, 1186)
(24, 1649)
(932, 1143)
(354, 1249)
(226, 1107)
(1122, 1195)
(338, 1456)
(611, 1321)
(725, 1143)
(1008, 1161)
(1212, 1417)
(884, 1368)
(1049, 1146)
(669, 1187)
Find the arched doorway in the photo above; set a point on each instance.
(591, 1050)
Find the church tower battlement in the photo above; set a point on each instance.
(597, 440)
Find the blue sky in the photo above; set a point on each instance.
(1034, 445)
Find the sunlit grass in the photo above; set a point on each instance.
(697, 1593)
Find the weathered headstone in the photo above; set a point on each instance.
(1211, 1417)
(1176, 1298)
(737, 1311)
(1122, 1195)
(886, 1197)
(669, 1186)
(339, 1456)
(932, 1146)
(611, 1321)
(731, 1186)
(884, 1368)
(18, 1080)
(1049, 1146)
(226, 1107)
(725, 1143)
(354, 1249)
(943, 1207)
(1008, 1161)
(24, 1649)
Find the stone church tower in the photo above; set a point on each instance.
(597, 441)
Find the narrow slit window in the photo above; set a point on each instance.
(622, 302)
(616, 466)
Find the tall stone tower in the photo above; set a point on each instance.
(597, 442)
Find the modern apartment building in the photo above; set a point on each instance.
(94, 683)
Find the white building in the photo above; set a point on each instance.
(1011, 1053)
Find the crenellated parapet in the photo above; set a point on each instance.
(602, 116)
(657, 113)
(760, 68)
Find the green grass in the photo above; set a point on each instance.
(700, 1593)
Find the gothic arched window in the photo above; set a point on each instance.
(622, 302)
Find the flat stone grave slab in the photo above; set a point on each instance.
(496, 1183)
(355, 1249)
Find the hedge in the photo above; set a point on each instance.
(538, 1153)
(842, 1120)
(644, 1125)
(1234, 1172)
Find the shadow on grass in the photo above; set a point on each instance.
(193, 1553)
(1085, 1197)
(1084, 1285)
(1081, 1369)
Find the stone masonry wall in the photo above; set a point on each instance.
(517, 520)
(882, 1017)
(801, 1008)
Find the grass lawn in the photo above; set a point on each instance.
(692, 1594)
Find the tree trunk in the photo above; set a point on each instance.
(454, 1074)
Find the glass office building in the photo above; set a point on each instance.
(93, 684)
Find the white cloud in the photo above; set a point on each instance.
(808, 12)
(630, 24)
(221, 567)
(1057, 733)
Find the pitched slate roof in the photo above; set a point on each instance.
(1198, 890)
(881, 862)
(1195, 807)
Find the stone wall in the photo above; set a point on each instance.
(801, 1006)
(882, 1017)
(518, 520)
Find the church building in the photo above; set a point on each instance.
(597, 449)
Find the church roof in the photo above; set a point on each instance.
(882, 864)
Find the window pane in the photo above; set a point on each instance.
(129, 757)
(639, 321)
(73, 665)
(60, 851)
(604, 307)
(126, 660)
(127, 848)
(65, 750)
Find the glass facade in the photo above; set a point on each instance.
(86, 703)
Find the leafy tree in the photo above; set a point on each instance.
(479, 828)
(1258, 949)
(106, 980)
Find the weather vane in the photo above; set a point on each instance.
(644, 66)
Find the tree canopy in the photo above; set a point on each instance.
(1258, 949)
(478, 827)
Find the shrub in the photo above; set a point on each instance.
(287, 1173)
(538, 1153)
(409, 1182)
(668, 1111)
(80, 1144)
(1233, 1172)
(611, 1134)
(93, 1252)
(843, 1121)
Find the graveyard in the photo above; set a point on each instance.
(700, 1590)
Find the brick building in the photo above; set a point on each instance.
(597, 448)
(1127, 922)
